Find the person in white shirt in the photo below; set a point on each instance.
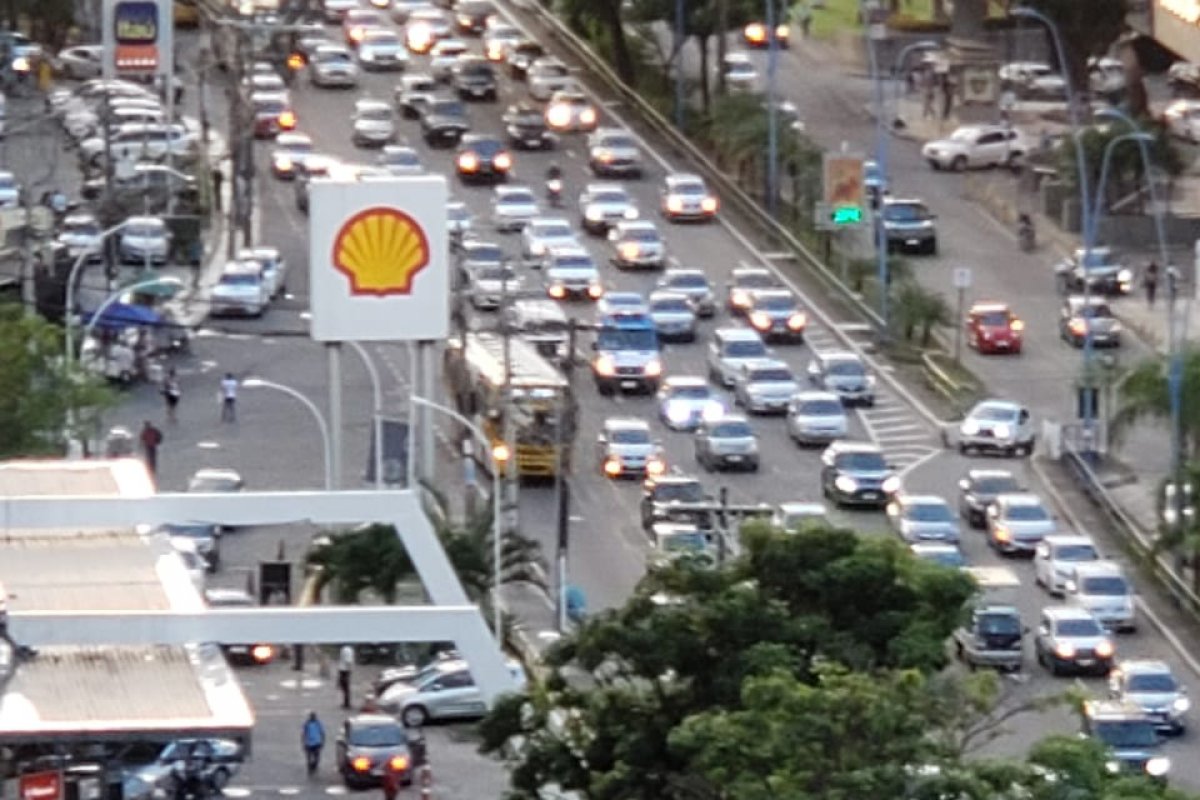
(345, 665)
(229, 388)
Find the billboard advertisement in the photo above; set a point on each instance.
(379, 259)
(844, 181)
(138, 38)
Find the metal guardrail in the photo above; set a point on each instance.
(1129, 530)
(714, 174)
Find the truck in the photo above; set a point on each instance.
(511, 388)
(992, 636)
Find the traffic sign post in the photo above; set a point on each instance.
(962, 282)
(843, 203)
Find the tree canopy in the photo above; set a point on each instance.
(1085, 29)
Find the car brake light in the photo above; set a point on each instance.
(287, 120)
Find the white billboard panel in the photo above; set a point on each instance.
(379, 259)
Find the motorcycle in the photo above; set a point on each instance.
(1026, 234)
(554, 188)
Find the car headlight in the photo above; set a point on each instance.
(1158, 766)
(653, 368)
(1116, 327)
(713, 411)
(595, 291)
(502, 161)
(367, 55)
(630, 251)
(538, 249)
(587, 116)
(674, 204)
(891, 484)
(655, 466)
(760, 320)
(709, 205)
(797, 322)
(605, 366)
(1125, 276)
(1113, 767)
(557, 291)
(593, 215)
(1181, 705)
(678, 413)
(630, 213)
(283, 164)
(970, 427)
(612, 466)
(1064, 650)
(1105, 649)
(1002, 431)
(845, 483)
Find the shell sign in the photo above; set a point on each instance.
(378, 259)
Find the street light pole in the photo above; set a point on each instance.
(111, 300)
(678, 59)
(881, 158)
(772, 112)
(322, 425)
(72, 279)
(497, 465)
(376, 410)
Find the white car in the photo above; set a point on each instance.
(570, 110)
(729, 350)
(81, 62)
(447, 691)
(444, 56)
(414, 92)
(332, 65)
(686, 197)
(144, 240)
(381, 49)
(974, 146)
(739, 71)
(373, 123)
(10, 190)
(1034, 79)
(637, 243)
(273, 265)
(80, 233)
(816, 418)
(571, 272)
(1102, 588)
(513, 207)
(542, 234)
(489, 284)
(289, 150)
(1057, 555)
(685, 401)
(1017, 523)
(673, 315)
(603, 205)
(1183, 119)
(625, 447)
(922, 518)
(765, 386)
(401, 160)
(241, 291)
(546, 76)
(997, 426)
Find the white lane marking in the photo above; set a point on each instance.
(929, 456)
(208, 445)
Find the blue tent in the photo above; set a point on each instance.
(119, 316)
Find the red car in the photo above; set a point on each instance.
(994, 328)
(273, 114)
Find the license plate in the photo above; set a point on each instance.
(733, 459)
(479, 92)
(913, 242)
(870, 495)
(533, 142)
(1085, 662)
(629, 384)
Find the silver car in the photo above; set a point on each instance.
(844, 374)
(602, 205)
(513, 207)
(373, 123)
(727, 443)
(571, 273)
(542, 234)
(795, 514)
(1056, 557)
(381, 49)
(729, 350)
(683, 541)
(686, 197)
(414, 92)
(694, 284)
(765, 386)
(923, 518)
(1072, 640)
(1102, 588)
(997, 426)
(332, 65)
(145, 239)
(444, 56)
(674, 316)
(637, 243)
(459, 220)
(816, 418)
(401, 160)
(546, 76)
(1152, 687)
(489, 284)
(447, 692)
(1017, 523)
(685, 401)
(614, 152)
(625, 448)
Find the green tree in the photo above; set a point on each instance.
(1145, 394)
(689, 638)
(919, 310)
(49, 20)
(1126, 171)
(602, 22)
(1086, 29)
(39, 390)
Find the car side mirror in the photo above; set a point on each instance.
(601, 438)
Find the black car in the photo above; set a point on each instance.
(470, 16)
(371, 745)
(443, 122)
(521, 55)
(857, 474)
(526, 128)
(474, 78)
(979, 488)
(482, 159)
(1097, 270)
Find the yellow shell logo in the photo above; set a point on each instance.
(380, 250)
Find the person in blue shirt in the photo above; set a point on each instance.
(313, 739)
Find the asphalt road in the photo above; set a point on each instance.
(275, 445)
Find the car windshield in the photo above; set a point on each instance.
(1152, 682)
(517, 198)
(1076, 552)
(447, 108)
(376, 736)
(143, 229)
(690, 393)
(240, 279)
(1095, 310)
(376, 114)
(630, 436)
(402, 158)
(772, 375)
(688, 188)
(930, 512)
(295, 147)
(641, 235)
(627, 339)
(905, 212)
(845, 368)
(615, 198)
(386, 38)
(996, 484)
(618, 141)
(821, 408)
(1079, 627)
(994, 319)
(739, 67)
(682, 492)
(964, 135)
(556, 230)
(862, 462)
(1126, 733)
(191, 531)
(999, 624)
(1105, 585)
(678, 304)
(1026, 513)
(688, 281)
(776, 303)
(333, 57)
(552, 71)
(496, 274)
(476, 70)
(994, 412)
(745, 349)
(692, 542)
(574, 263)
(78, 227)
(732, 429)
(947, 558)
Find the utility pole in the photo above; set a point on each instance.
(564, 439)
(722, 44)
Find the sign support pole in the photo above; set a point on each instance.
(962, 295)
(334, 352)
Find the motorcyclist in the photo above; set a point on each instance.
(554, 184)
(554, 173)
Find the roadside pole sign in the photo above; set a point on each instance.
(138, 38)
(962, 278)
(843, 204)
(962, 282)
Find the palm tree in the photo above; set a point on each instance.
(1145, 393)
(918, 309)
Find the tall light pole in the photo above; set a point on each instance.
(376, 410)
(1081, 169)
(772, 111)
(881, 159)
(111, 300)
(498, 457)
(678, 58)
(322, 425)
(72, 279)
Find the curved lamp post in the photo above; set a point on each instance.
(259, 383)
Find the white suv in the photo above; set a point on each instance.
(977, 146)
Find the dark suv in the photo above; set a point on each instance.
(474, 78)
(1130, 735)
(857, 474)
(525, 126)
(908, 225)
(979, 488)
(443, 122)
